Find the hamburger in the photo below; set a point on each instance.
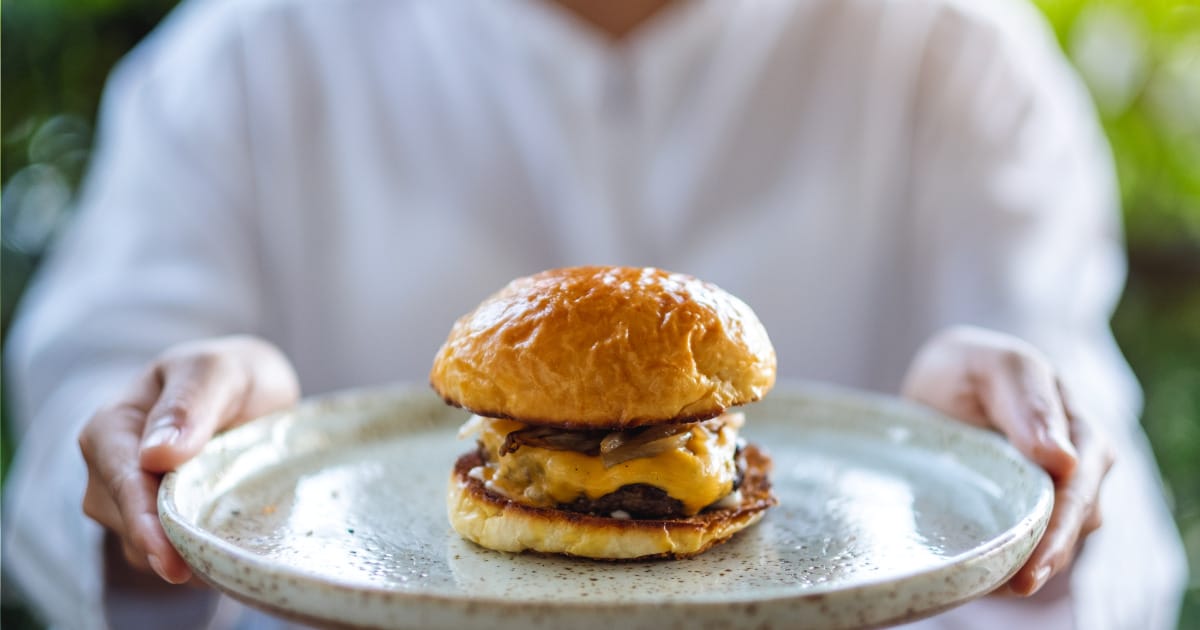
(600, 398)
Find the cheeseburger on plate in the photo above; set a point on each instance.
(600, 397)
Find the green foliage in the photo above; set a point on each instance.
(1158, 327)
(1141, 59)
(54, 57)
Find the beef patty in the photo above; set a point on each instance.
(639, 500)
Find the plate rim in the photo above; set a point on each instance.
(1032, 523)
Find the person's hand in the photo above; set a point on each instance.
(997, 381)
(186, 395)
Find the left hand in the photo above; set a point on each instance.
(997, 381)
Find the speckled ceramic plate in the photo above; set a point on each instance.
(334, 513)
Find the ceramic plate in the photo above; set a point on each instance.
(334, 513)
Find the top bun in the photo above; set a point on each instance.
(605, 347)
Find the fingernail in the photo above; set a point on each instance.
(1056, 440)
(1065, 445)
(1039, 578)
(156, 564)
(161, 436)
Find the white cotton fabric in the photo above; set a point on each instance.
(345, 178)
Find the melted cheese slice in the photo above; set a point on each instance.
(698, 474)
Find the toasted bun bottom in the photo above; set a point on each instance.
(498, 523)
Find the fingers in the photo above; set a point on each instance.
(938, 378)
(209, 386)
(1099, 455)
(1093, 522)
(1076, 511)
(199, 394)
(102, 442)
(995, 380)
(167, 415)
(1020, 395)
(120, 495)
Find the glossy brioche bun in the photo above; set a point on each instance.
(605, 347)
(495, 522)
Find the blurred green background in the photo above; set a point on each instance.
(1140, 58)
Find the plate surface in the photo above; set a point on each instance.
(334, 513)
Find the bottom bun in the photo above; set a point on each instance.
(498, 523)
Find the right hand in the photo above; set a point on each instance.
(190, 392)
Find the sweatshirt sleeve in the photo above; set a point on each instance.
(1014, 187)
(162, 250)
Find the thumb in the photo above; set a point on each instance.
(1022, 399)
(200, 394)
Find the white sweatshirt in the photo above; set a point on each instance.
(345, 178)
